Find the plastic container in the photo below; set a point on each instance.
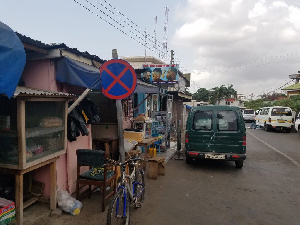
(152, 152)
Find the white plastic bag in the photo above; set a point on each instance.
(129, 144)
(67, 203)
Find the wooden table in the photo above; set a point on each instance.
(146, 143)
(110, 151)
(20, 205)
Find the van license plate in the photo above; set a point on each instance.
(213, 156)
(281, 121)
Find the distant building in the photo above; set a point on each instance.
(239, 101)
(295, 88)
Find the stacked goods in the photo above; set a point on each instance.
(7, 211)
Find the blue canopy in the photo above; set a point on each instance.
(12, 60)
(78, 73)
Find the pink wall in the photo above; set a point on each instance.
(41, 75)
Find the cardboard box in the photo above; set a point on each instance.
(7, 211)
(132, 135)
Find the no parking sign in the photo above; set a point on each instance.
(118, 79)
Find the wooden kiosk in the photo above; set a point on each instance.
(33, 128)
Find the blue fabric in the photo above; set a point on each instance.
(96, 174)
(12, 60)
(78, 73)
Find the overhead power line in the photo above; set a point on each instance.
(119, 21)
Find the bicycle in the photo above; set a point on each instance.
(131, 189)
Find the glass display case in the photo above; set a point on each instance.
(161, 127)
(32, 130)
(143, 126)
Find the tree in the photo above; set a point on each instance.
(201, 95)
(218, 93)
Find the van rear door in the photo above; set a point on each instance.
(201, 131)
(229, 134)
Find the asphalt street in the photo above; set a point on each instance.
(265, 191)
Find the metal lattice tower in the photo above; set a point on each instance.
(165, 41)
(155, 28)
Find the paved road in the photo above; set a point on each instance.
(265, 191)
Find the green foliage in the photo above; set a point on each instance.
(254, 104)
(293, 102)
(215, 95)
(201, 95)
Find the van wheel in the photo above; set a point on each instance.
(188, 160)
(239, 163)
(266, 127)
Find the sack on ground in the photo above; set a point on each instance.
(67, 203)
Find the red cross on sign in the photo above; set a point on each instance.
(118, 79)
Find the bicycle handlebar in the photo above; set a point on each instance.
(118, 163)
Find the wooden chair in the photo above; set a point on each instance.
(99, 174)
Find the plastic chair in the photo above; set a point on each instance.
(99, 174)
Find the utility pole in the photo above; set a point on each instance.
(172, 57)
(251, 96)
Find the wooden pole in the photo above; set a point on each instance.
(81, 97)
(120, 119)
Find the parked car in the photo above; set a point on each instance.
(297, 123)
(216, 132)
(275, 117)
(249, 115)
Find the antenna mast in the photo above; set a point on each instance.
(165, 41)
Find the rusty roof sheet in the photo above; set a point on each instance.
(21, 90)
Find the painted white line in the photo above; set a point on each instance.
(276, 150)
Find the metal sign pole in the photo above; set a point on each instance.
(120, 119)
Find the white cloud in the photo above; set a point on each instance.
(239, 41)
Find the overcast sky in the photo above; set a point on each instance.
(252, 44)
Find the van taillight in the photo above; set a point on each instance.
(269, 120)
(186, 138)
(244, 140)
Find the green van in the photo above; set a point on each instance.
(216, 132)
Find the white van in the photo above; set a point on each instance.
(249, 115)
(297, 124)
(275, 117)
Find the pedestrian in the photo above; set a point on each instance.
(253, 125)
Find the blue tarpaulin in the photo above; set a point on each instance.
(12, 60)
(78, 73)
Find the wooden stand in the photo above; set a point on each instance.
(20, 205)
(146, 143)
(156, 167)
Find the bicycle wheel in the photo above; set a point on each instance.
(116, 213)
(139, 185)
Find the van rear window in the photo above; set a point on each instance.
(227, 121)
(281, 112)
(202, 120)
(248, 111)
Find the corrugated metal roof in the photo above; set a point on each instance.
(293, 87)
(20, 90)
(39, 44)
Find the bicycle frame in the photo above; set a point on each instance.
(129, 186)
